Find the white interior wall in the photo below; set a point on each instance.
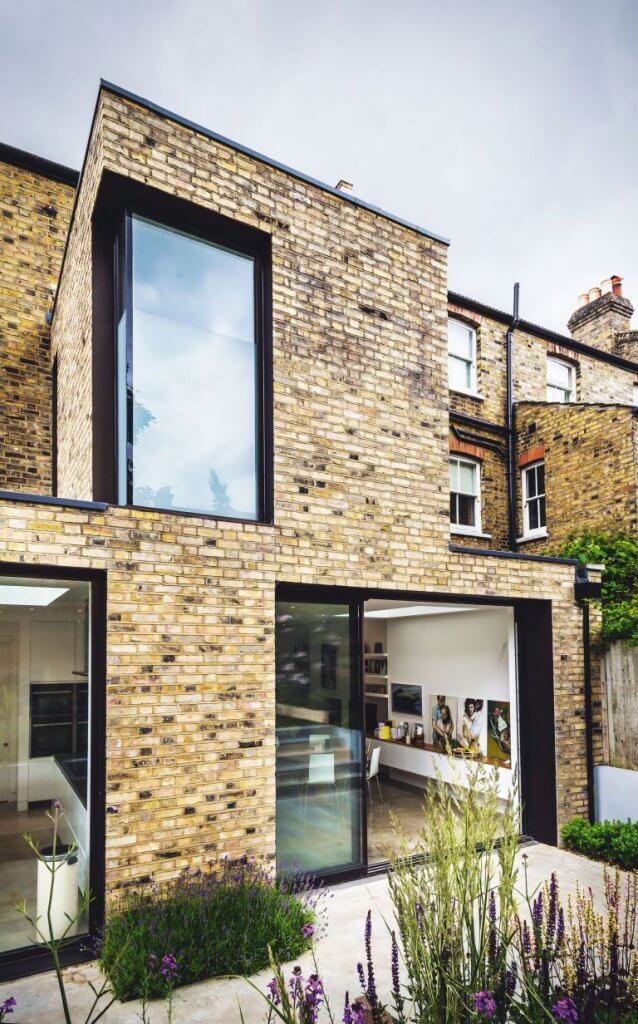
(461, 654)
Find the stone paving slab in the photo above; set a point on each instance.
(216, 1001)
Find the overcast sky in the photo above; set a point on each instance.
(509, 127)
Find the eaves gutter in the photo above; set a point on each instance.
(38, 165)
(542, 332)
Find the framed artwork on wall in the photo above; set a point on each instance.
(499, 735)
(444, 714)
(472, 731)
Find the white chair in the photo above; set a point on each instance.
(321, 772)
(373, 772)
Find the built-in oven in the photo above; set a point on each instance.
(59, 719)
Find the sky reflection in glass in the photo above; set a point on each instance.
(194, 374)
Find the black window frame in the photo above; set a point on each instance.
(119, 200)
(27, 960)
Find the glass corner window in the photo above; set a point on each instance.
(461, 356)
(188, 373)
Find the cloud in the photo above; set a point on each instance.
(508, 127)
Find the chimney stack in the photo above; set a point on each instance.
(602, 319)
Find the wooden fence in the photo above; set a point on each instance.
(619, 677)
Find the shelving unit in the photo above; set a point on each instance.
(375, 675)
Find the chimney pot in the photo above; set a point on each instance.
(593, 293)
(616, 284)
(605, 286)
(344, 186)
(583, 299)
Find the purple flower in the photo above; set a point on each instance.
(484, 1004)
(353, 1013)
(308, 930)
(565, 1010)
(273, 989)
(169, 967)
(7, 1007)
(371, 990)
(57, 806)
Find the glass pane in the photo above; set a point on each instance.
(194, 375)
(460, 340)
(460, 374)
(530, 477)
(556, 394)
(559, 373)
(542, 520)
(318, 738)
(540, 478)
(533, 515)
(454, 515)
(467, 478)
(44, 752)
(454, 474)
(467, 510)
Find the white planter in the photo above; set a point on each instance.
(65, 894)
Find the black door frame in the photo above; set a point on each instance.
(28, 960)
(534, 691)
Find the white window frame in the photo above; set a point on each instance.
(540, 531)
(472, 390)
(569, 392)
(477, 529)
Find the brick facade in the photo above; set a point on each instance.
(35, 211)
(361, 495)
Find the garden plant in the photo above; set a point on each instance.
(613, 841)
(472, 943)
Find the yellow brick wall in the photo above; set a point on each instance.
(34, 217)
(590, 468)
(361, 499)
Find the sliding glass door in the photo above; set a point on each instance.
(319, 737)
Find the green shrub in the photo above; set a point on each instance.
(613, 841)
(210, 925)
(619, 554)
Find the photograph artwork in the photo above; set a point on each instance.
(471, 725)
(499, 744)
(407, 699)
(443, 711)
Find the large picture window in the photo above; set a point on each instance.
(189, 375)
(51, 749)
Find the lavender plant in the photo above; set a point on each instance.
(216, 922)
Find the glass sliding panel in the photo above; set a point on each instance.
(194, 357)
(44, 750)
(319, 739)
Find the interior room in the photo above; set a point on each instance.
(370, 699)
(437, 677)
(44, 750)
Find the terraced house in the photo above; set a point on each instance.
(270, 520)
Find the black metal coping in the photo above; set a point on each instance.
(255, 155)
(38, 164)
(461, 549)
(45, 499)
(542, 332)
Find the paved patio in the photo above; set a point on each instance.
(216, 1001)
